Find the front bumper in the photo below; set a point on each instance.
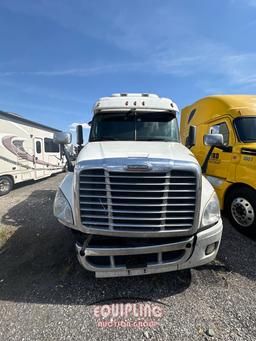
(182, 254)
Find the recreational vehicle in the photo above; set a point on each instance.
(27, 151)
(136, 199)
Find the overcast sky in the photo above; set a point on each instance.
(58, 57)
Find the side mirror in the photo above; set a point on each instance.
(62, 137)
(213, 140)
(191, 139)
(79, 134)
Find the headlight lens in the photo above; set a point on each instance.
(62, 209)
(211, 213)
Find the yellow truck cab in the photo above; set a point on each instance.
(231, 167)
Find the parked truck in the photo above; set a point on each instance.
(27, 151)
(232, 166)
(136, 199)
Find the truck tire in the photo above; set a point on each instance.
(6, 184)
(241, 207)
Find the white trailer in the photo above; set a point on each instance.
(27, 151)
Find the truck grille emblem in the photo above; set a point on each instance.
(144, 167)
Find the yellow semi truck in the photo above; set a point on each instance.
(230, 166)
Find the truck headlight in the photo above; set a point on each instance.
(211, 213)
(61, 208)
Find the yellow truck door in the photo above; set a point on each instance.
(220, 164)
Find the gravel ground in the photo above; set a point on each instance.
(46, 295)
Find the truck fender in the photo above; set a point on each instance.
(66, 187)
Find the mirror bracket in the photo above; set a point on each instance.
(227, 149)
(69, 163)
(205, 164)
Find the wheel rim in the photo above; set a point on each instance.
(4, 185)
(242, 212)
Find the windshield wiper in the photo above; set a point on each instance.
(157, 139)
(104, 138)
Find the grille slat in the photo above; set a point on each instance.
(136, 198)
(135, 218)
(137, 201)
(136, 225)
(132, 204)
(139, 191)
(134, 211)
(137, 176)
(138, 183)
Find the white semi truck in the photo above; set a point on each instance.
(136, 199)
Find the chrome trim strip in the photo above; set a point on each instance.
(136, 233)
(111, 251)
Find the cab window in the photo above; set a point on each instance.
(221, 128)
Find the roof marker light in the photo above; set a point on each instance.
(134, 103)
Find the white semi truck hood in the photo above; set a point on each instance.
(135, 149)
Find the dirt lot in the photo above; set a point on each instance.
(46, 295)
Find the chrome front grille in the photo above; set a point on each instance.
(137, 201)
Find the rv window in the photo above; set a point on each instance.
(221, 128)
(38, 147)
(50, 146)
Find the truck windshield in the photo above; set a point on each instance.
(135, 126)
(246, 128)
